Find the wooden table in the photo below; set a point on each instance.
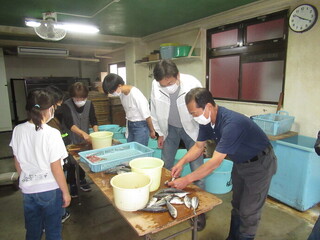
(145, 223)
(282, 136)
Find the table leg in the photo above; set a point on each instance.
(195, 228)
(148, 237)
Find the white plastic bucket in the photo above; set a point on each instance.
(101, 139)
(131, 190)
(150, 166)
(219, 181)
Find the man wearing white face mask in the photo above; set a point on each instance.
(78, 114)
(170, 116)
(246, 145)
(136, 106)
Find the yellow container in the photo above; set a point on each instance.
(150, 166)
(131, 191)
(101, 139)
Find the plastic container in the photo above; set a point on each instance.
(109, 127)
(186, 168)
(182, 51)
(296, 182)
(274, 124)
(119, 133)
(101, 139)
(130, 191)
(152, 143)
(167, 50)
(157, 153)
(150, 166)
(219, 181)
(115, 155)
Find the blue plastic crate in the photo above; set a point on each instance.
(274, 124)
(296, 180)
(115, 155)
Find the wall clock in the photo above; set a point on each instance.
(303, 18)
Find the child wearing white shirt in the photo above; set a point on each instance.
(38, 153)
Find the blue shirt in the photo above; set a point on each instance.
(235, 135)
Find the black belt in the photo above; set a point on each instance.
(264, 152)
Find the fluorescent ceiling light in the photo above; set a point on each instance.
(70, 27)
(32, 23)
(80, 28)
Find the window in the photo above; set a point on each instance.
(246, 60)
(120, 69)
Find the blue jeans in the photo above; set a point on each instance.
(315, 234)
(138, 132)
(43, 211)
(171, 145)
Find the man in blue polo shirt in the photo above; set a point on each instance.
(246, 145)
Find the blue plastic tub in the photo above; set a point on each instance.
(186, 168)
(219, 181)
(296, 182)
(157, 152)
(152, 143)
(109, 128)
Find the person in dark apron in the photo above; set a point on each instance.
(246, 145)
(78, 114)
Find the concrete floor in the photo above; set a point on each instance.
(97, 219)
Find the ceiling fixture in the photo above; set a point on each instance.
(50, 29)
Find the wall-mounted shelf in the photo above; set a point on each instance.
(173, 59)
(189, 57)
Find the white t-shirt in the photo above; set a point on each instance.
(135, 105)
(35, 151)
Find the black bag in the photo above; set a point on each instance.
(317, 144)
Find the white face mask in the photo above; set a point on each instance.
(51, 112)
(79, 104)
(171, 88)
(202, 119)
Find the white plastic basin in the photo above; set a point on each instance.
(131, 190)
(150, 166)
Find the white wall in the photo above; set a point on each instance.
(302, 92)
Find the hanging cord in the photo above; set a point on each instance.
(83, 16)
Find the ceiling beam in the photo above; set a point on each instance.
(24, 31)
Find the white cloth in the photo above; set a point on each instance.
(35, 151)
(135, 105)
(160, 106)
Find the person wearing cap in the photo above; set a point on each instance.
(244, 142)
(136, 106)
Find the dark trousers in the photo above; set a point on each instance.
(251, 182)
(71, 172)
(315, 234)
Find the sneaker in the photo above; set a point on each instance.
(73, 191)
(84, 186)
(65, 217)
